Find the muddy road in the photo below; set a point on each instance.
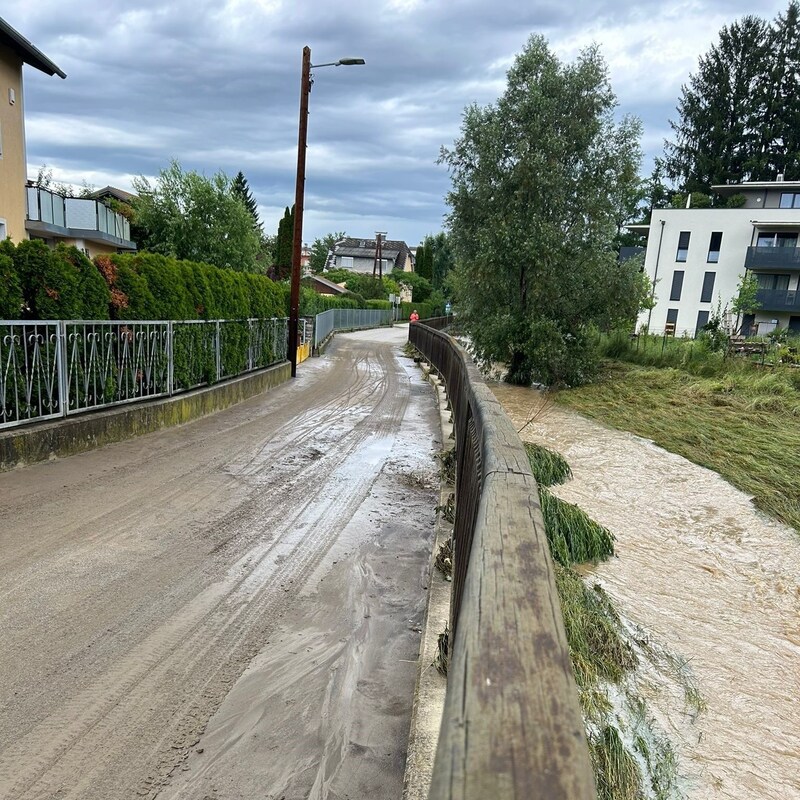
(229, 609)
(708, 577)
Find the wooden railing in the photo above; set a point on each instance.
(512, 725)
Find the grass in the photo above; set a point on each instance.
(743, 423)
(573, 536)
(596, 645)
(601, 651)
(617, 773)
(548, 467)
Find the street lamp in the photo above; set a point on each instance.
(297, 244)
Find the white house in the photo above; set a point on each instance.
(696, 257)
(358, 255)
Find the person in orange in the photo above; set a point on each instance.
(414, 316)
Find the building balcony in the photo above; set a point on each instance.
(778, 300)
(53, 216)
(771, 258)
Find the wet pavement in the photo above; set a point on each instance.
(228, 609)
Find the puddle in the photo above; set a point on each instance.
(711, 578)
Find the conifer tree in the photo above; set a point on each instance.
(241, 189)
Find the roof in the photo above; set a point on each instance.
(112, 191)
(334, 287)
(736, 188)
(366, 248)
(15, 41)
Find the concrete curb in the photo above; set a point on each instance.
(429, 692)
(66, 437)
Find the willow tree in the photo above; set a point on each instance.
(537, 181)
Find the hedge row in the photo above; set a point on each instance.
(37, 282)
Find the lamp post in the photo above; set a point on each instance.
(297, 243)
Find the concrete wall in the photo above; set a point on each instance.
(13, 167)
(65, 437)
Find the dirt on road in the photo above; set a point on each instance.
(229, 609)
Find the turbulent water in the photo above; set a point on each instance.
(712, 581)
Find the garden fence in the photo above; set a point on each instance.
(52, 369)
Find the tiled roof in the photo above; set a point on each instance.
(395, 251)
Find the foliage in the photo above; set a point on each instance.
(746, 299)
(151, 286)
(423, 261)
(535, 202)
(549, 468)
(282, 263)
(738, 115)
(56, 284)
(11, 300)
(190, 217)
(321, 248)
(421, 287)
(312, 303)
(241, 189)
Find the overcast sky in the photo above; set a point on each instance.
(215, 85)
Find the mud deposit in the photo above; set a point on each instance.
(709, 578)
(230, 609)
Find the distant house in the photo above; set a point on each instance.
(323, 286)
(696, 257)
(28, 211)
(358, 255)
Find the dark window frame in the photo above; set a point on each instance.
(707, 292)
(677, 285)
(714, 252)
(684, 238)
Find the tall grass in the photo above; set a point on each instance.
(573, 536)
(743, 424)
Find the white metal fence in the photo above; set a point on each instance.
(348, 319)
(55, 368)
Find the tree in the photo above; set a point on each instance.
(241, 189)
(321, 248)
(282, 267)
(423, 261)
(536, 182)
(191, 217)
(739, 115)
(443, 260)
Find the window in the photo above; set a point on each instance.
(777, 240)
(346, 262)
(677, 285)
(708, 287)
(772, 282)
(683, 246)
(702, 319)
(790, 200)
(714, 247)
(3, 230)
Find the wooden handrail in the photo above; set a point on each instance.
(512, 725)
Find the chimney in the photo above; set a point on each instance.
(780, 177)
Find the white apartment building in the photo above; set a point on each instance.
(696, 257)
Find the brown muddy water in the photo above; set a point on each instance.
(703, 576)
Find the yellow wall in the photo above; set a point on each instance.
(13, 169)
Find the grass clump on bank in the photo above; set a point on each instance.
(574, 537)
(624, 748)
(743, 424)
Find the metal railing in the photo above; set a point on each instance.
(348, 319)
(512, 724)
(760, 258)
(75, 213)
(54, 369)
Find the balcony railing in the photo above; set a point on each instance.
(75, 214)
(778, 300)
(786, 258)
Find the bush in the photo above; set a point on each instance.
(11, 300)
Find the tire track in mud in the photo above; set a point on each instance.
(174, 679)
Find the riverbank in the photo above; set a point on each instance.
(707, 577)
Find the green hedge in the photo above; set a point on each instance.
(425, 310)
(382, 304)
(152, 286)
(42, 283)
(37, 282)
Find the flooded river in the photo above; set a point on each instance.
(710, 579)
